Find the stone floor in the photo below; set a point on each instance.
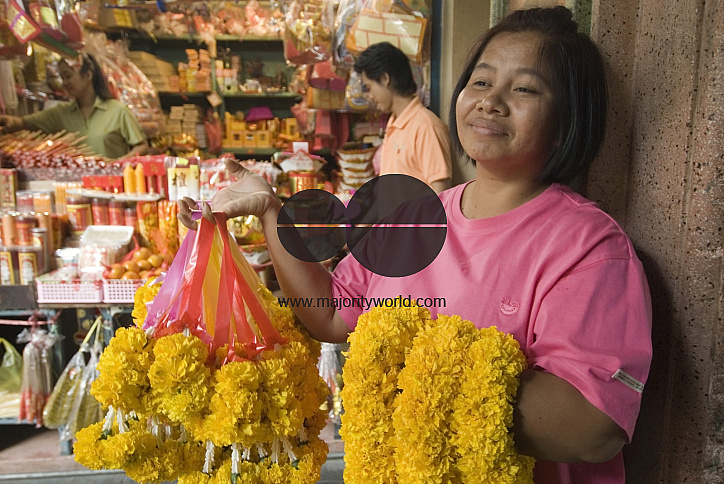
(29, 455)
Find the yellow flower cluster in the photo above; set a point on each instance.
(143, 296)
(378, 349)
(124, 366)
(177, 412)
(430, 401)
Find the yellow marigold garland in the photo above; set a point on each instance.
(378, 349)
(483, 412)
(173, 413)
(430, 401)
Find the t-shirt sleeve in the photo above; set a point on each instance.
(593, 323)
(48, 120)
(433, 150)
(131, 128)
(350, 280)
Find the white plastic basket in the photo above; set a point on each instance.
(77, 291)
(120, 290)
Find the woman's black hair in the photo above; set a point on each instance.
(100, 86)
(579, 87)
(385, 58)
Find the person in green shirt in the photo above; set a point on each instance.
(110, 128)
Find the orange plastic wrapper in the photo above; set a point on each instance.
(147, 213)
(169, 228)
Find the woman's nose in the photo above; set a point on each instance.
(492, 102)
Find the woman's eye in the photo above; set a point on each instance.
(526, 90)
(480, 83)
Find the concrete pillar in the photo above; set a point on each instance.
(661, 174)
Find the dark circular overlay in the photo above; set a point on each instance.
(394, 225)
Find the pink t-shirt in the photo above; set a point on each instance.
(558, 274)
(417, 144)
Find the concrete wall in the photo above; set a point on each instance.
(661, 174)
(462, 22)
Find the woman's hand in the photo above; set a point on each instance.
(249, 195)
(10, 123)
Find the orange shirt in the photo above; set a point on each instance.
(417, 143)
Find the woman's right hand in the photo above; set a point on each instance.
(10, 123)
(249, 195)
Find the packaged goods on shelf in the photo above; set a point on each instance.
(156, 70)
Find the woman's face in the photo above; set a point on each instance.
(379, 92)
(74, 82)
(505, 114)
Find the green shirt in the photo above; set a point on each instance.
(111, 129)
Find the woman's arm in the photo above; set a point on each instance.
(9, 123)
(252, 195)
(554, 422)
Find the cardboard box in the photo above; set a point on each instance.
(115, 17)
(250, 139)
(264, 138)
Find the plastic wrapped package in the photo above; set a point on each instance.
(69, 21)
(308, 38)
(148, 226)
(82, 408)
(37, 382)
(168, 228)
(330, 369)
(100, 247)
(344, 21)
(128, 83)
(262, 22)
(393, 22)
(59, 404)
(229, 18)
(11, 375)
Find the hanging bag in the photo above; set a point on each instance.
(11, 374)
(212, 299)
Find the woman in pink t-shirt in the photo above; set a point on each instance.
(522, 251)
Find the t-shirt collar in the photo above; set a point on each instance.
(406, 115)
(97, 104)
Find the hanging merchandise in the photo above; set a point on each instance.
(308, 35)
(54, 25)
(85, 409)
(37, 373)
(393, 22)
(344, 21)
(219, 384)
(70, 406)
(8, 93)
(11, 375)
(10, 46)
(354, 96)
(330, 369)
